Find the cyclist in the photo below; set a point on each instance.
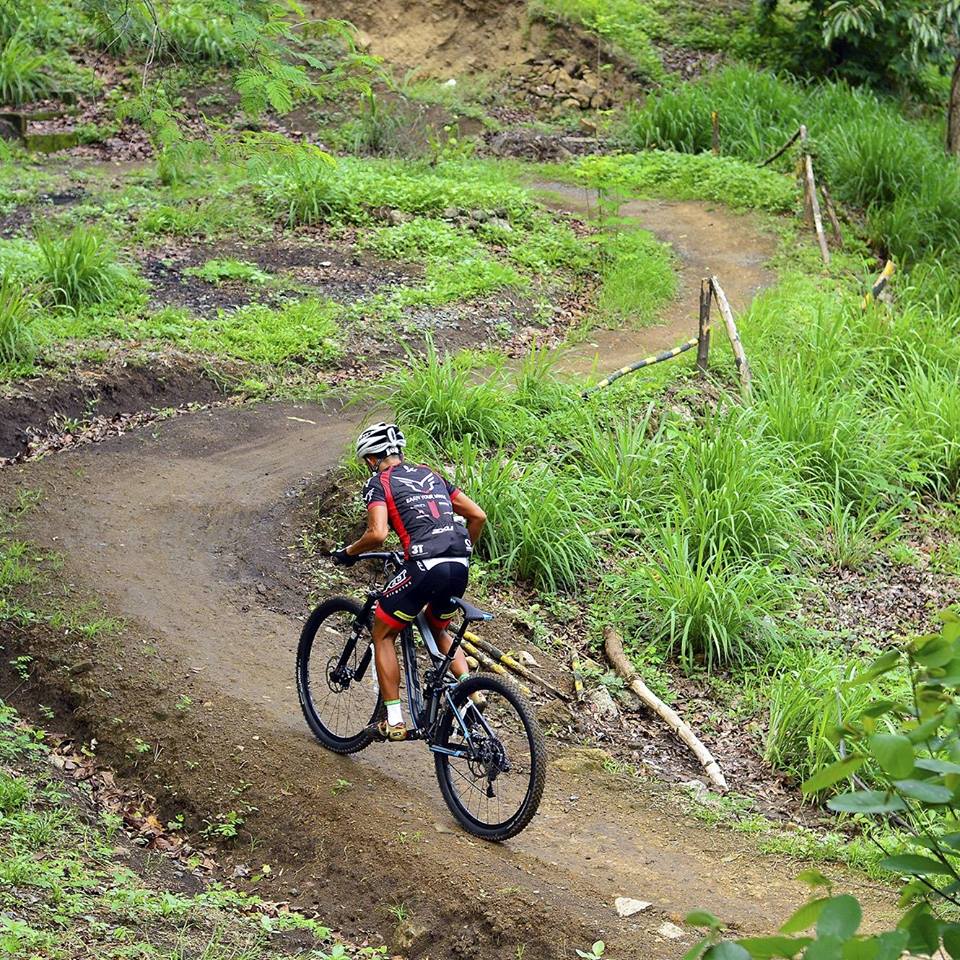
(423, 509)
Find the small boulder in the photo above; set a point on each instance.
(627, 906)
(670, 930)
(602, 702)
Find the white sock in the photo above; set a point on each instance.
(394, 713)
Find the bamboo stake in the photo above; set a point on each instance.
(492, 665)
(815, 208)
(614, 648)
(783, 149)
(577, 675)
(831, 214)
(715, 133)
(506, 660)
(738, 352)
(878, 285)
(703, 335)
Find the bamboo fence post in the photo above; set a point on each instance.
(715, 133)
(878, 284)
(811, 205)
(703, 336)
(743, 367)
(831, 214)
(614, 649)
(512, 664)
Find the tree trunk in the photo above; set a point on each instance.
(953, 112)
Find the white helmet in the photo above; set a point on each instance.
(380, 438)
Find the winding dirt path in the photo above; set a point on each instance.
(175, 529)
(706, 239)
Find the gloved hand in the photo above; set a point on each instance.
(341, 558)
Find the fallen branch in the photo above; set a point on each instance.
(614, 648)
(506, 660)
(814, 205)
(831, 213)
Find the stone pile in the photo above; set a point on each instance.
(566, 81)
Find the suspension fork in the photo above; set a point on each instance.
(362, 620)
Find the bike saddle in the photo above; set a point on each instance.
(470, 612)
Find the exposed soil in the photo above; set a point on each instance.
(336, 272)
(35, 409)
(175, 530)
(707, 240)
(23, 216)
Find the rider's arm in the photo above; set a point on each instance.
(463, 506)
(376, 532)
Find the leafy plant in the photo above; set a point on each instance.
(23, 71)
(17, 346)
(80, 268)
(214, 271)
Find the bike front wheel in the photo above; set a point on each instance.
(493, 779)
(338, 693)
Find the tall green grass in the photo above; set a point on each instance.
(638, 277)
(866, 150)
(17, 344)
(24, 71)
(81, 268)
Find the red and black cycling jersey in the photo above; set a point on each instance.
(419, 506)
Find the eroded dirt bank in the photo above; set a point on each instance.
(175, 528)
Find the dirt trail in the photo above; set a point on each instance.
(707, 240)
(174, 529)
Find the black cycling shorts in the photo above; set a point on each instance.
(423, 583)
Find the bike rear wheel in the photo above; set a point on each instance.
(337, 706)
(494, 791)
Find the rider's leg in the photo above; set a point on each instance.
(385, 655)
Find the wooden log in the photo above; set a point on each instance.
(739, 354)
(492, 665)
(614, 649)
(784, 148)
(815, 208)
(831, 214)
(506, 660)
(715, 133)
(703, 334)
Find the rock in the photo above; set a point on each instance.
(571, 66)
(500, 224)
(564, 83)
(479, 216)
(582, 760)
(597, 102)
(527, 659)
(698, 789)
(554, 712)
(80, 668)
(670, 930)
(261, 589)
(363, 39)
(588, 126)
(627, 906)
(584, 90)
(406, 935)
(544, 90)
(395, 217)
(450, 213)
(602, 702)
(450, 83)
(572, 103)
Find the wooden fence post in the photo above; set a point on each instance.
(811, 205)
(831, 214)
(715, 133)
(703, 336)
(738, 352)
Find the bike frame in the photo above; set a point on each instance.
(424, 701)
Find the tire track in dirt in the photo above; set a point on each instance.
(163, 526)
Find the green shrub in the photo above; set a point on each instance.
(304, 331)
(81, 269)
(443, 399)
(421, 238)
(706, 611)
(16, 319)
(809, 698)
(215, 271)
(23, 72)
(536, 386)
(639, 277)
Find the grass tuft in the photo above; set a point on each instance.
(81, 269)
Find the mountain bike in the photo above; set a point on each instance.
(489, 752)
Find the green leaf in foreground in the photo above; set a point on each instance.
(727, 951)
(924, 791)
(893, 752)
(765, 948)
(840, 917)
(840, 770)
(805, 917)
(916, 866)
(866, 801)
